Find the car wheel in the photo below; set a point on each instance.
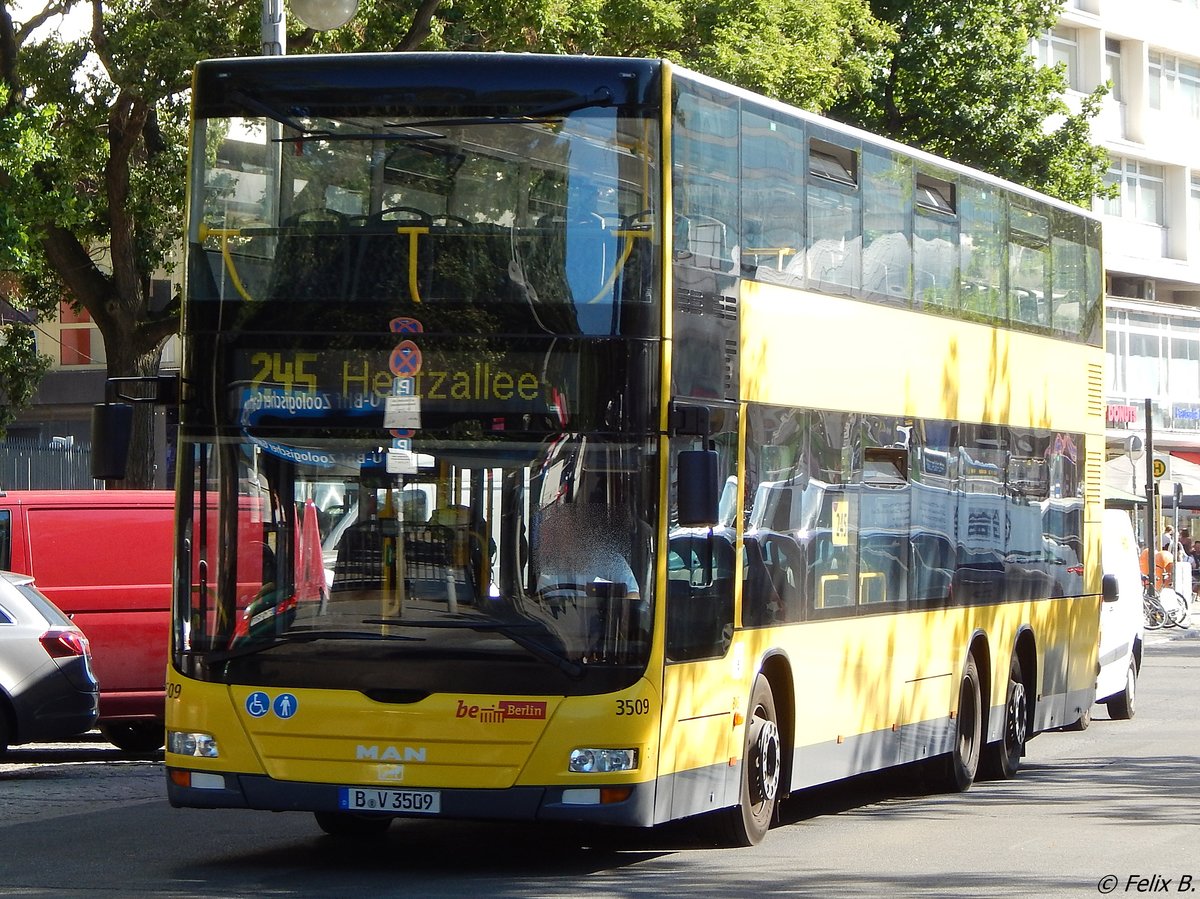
(1121, 707)
(6, 730)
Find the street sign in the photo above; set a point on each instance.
(1159, 467)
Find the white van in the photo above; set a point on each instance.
(1121, 623)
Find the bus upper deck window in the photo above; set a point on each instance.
(832, 163)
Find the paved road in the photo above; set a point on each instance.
(1120, 800)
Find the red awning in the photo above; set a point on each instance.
(1194, 458)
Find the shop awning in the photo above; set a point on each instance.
(1121, 474)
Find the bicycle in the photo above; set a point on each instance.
(1176, 607)
(1153, 613)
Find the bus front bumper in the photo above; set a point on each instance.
(254, 791)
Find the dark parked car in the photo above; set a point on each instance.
(47, 689)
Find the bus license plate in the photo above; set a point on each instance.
(368, 799)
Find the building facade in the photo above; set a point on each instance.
(1150, 124)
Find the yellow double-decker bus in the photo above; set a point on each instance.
(582, 439)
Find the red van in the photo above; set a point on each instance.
(104, 557)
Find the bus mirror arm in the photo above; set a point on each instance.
(160, 390)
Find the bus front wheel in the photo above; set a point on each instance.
(348, 824)
(749, 821)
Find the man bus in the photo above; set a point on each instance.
(565, 300)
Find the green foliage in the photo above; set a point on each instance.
(21, 369)
(807, 52)
(93, 128)
(960, 82)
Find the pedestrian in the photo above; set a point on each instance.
(1164, 567)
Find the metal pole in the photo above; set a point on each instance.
(1151, 538)
(1177, 495)
(274, 43)
(274, 30)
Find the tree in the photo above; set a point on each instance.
(92, 215)
(24, 140)
(92, 194)
(960, 82)
(93, 128)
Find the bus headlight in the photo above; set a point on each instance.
(197, 744)
(599, 761)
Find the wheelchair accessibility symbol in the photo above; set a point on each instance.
(259, 704)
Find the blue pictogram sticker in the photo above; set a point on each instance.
(285, 705)
(258, 704)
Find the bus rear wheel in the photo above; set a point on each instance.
(749, 821)
(962, 764)
(1002, 759)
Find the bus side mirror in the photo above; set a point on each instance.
(112, 428)
(698, 489)
(1109, 590)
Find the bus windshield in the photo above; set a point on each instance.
(546, 217)
(427, 322)
(521, 565)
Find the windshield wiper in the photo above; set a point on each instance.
(511, 631)
(599, 99)
(254, 647)
(305, 133)
(256, 105)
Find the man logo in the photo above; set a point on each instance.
(377, 753)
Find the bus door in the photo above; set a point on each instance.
(697, 719)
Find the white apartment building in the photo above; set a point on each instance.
(1150, 125)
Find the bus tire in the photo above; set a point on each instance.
(1002, 759)
(1083, 722)
(761, 769)
(962, 764)
(135, 736)
(1122, 707)
(348, 824)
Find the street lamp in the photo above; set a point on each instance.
(320, 15)
(324, 15)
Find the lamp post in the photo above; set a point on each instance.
(320, 15)
(274, 28)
